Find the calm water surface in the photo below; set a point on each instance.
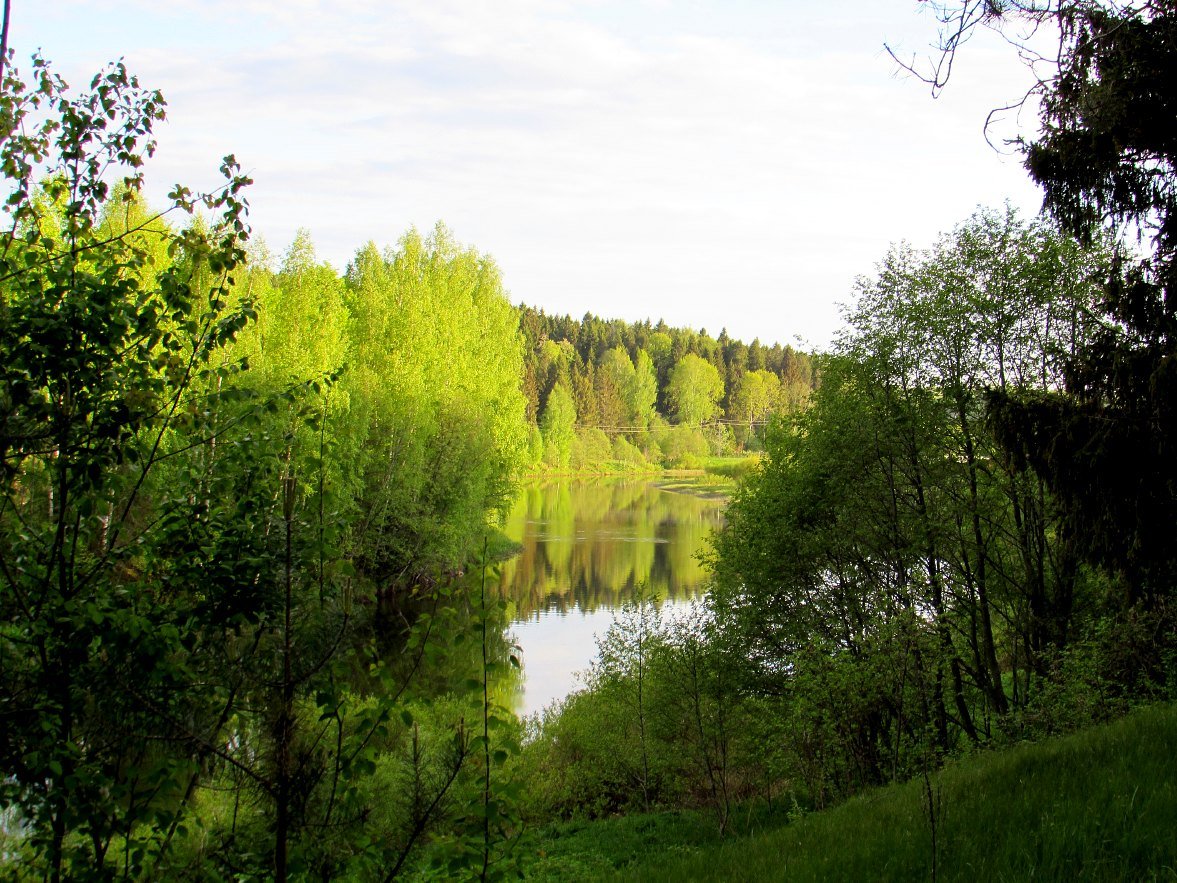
(587, 547)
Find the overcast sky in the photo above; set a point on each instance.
(716, 164)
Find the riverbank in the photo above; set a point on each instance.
(733, 468)
(1099, 804)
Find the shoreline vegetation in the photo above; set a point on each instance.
(1098, 804)
(732, 467)
(724, 474)
(893, 592)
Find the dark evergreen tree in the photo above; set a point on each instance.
(1106, 158)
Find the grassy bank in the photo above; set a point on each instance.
(1099, 805)
(607, 469)
(735, 467)
(728, 468)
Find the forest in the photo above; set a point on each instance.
(251, 505)
(647, 395)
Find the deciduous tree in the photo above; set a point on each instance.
(1106, 158)
(694, 390)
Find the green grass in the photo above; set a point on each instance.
(1100, 805)
(714, 481)
(695, 484)
(732, 467)
(499, 546)
(594, 850)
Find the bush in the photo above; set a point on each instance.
(684, 447)
(720, 439)
(626, 453)
(590, 449)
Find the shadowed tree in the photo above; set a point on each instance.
(1106, 158)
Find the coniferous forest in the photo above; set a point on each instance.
(250, 512)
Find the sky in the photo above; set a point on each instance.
(733, 164)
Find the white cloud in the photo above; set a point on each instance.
(713, 164)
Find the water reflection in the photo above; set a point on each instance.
(587, 545)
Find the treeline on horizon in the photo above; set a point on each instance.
(592, 373)
(645, 394)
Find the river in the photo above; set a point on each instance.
(588, 547)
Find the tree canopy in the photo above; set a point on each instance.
(1106, 158)
(694, 390)
(233, 501)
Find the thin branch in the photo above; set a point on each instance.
(4, 40)
(188, 736)
(76, 251)
(423, 820)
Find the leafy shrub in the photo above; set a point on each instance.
(684, 447)
(626, 453)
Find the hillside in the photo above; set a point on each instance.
(1097, 805)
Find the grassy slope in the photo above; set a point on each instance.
(1099, 805)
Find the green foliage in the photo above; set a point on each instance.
(617, 369)
(558, 426)
(1096, 805)
(435, 432)
(886, 557)
(535, 446)
(220, 488)
(694, 390)
(642, 390)
(1107, 163)
(592, 446)
(112, 323)
(619, 374)
(683, 446)
(658, 723)
(756, 396)
(626, 453)
(594, 754)
(733, 467)
(485, 829)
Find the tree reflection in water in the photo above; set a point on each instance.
(587, 546)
